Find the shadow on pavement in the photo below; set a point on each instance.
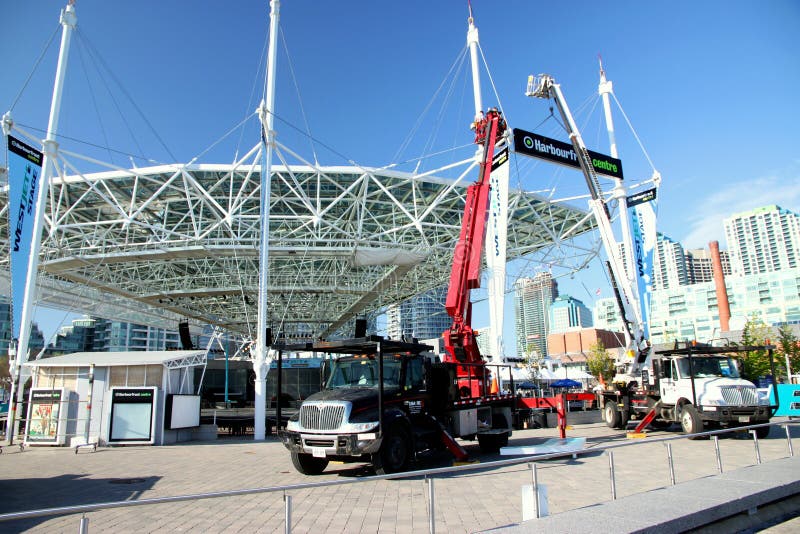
(19, 495)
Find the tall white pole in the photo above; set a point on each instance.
(68, 21)
(472, 42)
(605, 89)
(265, 111)
(495, 248)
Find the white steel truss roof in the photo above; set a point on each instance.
(160, 244)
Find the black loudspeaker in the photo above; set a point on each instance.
(268, 337)
(186, 338)
(361, 328)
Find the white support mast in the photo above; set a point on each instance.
(68, 21)
(261, 362)
(498, 216)
(605, 89)
(472, 42)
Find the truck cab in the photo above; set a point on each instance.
(697, 386)
(705, 389)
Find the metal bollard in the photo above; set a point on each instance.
(719, 455)
(287, 500)
(611, 474)
(535, 481)
(84, 526)
(788, 440)
(755, 442)
(671, 464)
(431, 510)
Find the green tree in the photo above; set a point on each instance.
(755, 363)
(788, 348)
(5, 374)
(600, 363)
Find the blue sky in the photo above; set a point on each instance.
(710, 87)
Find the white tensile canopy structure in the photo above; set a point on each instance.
(158, 245)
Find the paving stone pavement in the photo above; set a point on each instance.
(45, 477)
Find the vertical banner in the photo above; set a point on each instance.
(496, 233)
(641, 208)
(24, 169)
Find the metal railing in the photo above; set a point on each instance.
(428, 476)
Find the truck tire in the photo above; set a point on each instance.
(307, 464)
(691, 422)
(494, 442)
(762, 432)
(394, 455)
(612, 416)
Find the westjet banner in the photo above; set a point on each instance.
(496, 232)
(641, 208)
(24, 169)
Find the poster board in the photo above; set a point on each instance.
(46, 416)
(182, 411)
(132, 418)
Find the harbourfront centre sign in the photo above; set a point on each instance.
(539, 146)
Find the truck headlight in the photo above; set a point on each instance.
(293, 426)
(355, 428)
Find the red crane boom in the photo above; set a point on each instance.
(459, 341)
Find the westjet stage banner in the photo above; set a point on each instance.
(539, 146)
(643, 221)
(24, 169)
(496, 231)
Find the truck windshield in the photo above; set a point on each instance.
(363, 373)
(705, 366)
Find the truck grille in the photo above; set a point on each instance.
(739, 395)
(321, 416)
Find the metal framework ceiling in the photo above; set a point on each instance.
(161, 244)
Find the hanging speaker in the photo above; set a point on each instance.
(361, 328)
(186, 338)
(268, 337)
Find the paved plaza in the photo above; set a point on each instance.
(478, 500)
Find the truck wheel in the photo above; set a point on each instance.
(762, 432)
(395, 452)
(307, 464)
(612, 415)
(691, 423)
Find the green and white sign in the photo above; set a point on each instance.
(539, 146)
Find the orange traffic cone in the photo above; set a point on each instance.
(494, 389)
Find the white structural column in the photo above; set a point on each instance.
(496, 231)
(68, 21)
(472, 42)
(604, 89)
(261, 362)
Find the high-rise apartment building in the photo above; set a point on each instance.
(567, 312)
(36, 341)
(699, 265)
(78, 337)
(763, 240)
(421, 317)
(691, 312)
(115, 336)
(669, 263)
(532, 300)
(606, 315)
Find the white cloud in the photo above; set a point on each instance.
(706, 222)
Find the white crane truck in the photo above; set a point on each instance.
(694, 385)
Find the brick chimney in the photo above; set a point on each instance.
(723, 305)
